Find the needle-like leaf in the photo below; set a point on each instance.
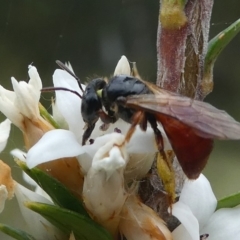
(69, 221)
(59, 193)
(15, 233)
(215, 46)
(230, 201)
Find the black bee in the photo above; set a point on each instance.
(190, 125)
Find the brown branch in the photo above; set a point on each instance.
(181, 50)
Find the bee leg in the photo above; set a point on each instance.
(164, 163)
(87, 133)
(143, 123)
(137, 118)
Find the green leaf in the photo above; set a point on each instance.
(218, 43)
(229, 202)
(60, 195)
(15, 233)
(45, 114)
(68, 221)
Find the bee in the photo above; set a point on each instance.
(190, 125)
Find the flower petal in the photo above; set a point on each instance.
(28, 94)
(103, 191)
(6, 179)
(19, 154)
(23, 194)
(3, 196)
(85, 159)
(142, 142)
(122, 67)
(192, 191)
(5, 128)
(120, 125)
(25, 100)
(39, 227)
(68, 103)
(140, 222)
(98, 143)
(35, 80)
(110, 164)
(58, 117)
(189, 229)
(8, 108)
(223, 224)
(53, 145)
(138, 165)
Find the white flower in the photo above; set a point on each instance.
(3, 196)
(6, 182)
(39, 227)
(58, 117)
(122, 67)
(65, 145)
(104, 191)
(5, 128)
(108, 164)
(23, 101)
(67, 103)
(196, 211)
(140, 222)
(21, 107)
(36, 225)
(101, 173)
(20, 155)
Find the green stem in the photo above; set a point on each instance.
(44, 113)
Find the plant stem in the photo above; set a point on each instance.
(182, 42)
(181, 48)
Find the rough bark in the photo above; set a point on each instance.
(181, 51)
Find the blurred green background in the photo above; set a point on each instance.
(92, 35)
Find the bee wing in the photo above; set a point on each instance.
(208, 121)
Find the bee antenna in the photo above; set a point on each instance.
(64, 67)
(51, 89)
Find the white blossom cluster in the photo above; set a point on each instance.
(104, 169)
